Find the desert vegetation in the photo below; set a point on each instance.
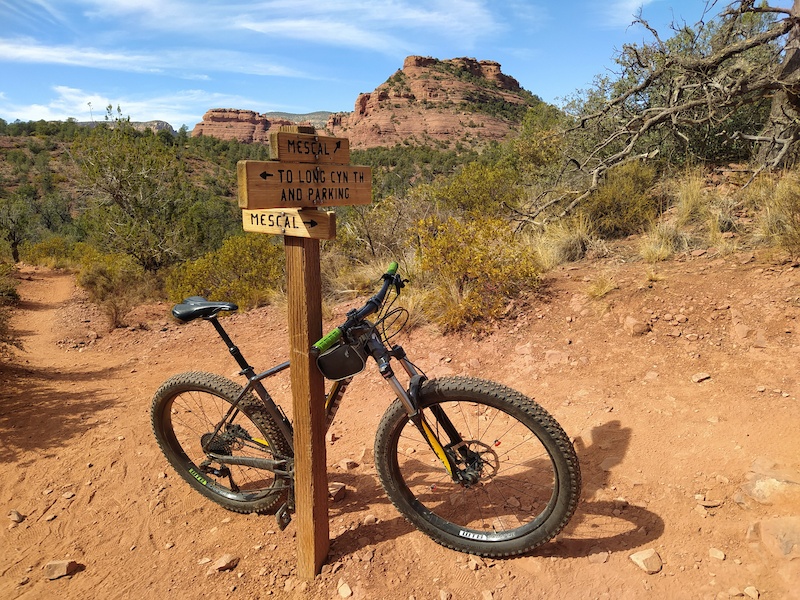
(691, 145)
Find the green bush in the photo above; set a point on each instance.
(8, 297)
(115, 282)
(246, 270)
(56, 252)
(624, 204)
(473, 269)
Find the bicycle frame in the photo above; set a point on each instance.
(382, 357)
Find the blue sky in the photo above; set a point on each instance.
(174, 59)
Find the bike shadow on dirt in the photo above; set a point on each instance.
(599, 524)
(37, 415)
(349, 532)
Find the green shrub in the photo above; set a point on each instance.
(8, 297)
(115, 282)
(625, 203)
(473, 269)
(246, 270)
(56, 252)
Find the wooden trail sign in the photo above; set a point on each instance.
(278, 184)
(281, 197)
(304, 148)
(307, 223)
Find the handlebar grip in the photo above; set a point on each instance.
(328, 341)
(373, 304)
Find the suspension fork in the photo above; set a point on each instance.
(409, 400)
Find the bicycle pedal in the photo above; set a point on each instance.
(283, 516)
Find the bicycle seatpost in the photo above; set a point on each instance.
(232, 348)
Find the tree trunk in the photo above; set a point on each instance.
(783, 127)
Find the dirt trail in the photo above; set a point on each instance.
(665, 459)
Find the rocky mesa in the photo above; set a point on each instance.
(242, 125)
(428, 102)
(436, 102)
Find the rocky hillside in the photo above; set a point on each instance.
(427, 102)
(433, 101)
(242, 125)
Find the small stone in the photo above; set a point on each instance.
(716, 553)
(366, 456)
(598, 558)
(752, 592)
(68, 495)
(487, 595)
(60, 568)
(647, 560)
(635, 327)
(204, 561)
(16, 517)
(226, 562)
(710, 503)
(347, 464)
(475, 563)
(344, 589)
(370, 520)
(337, 491)
(445, 595)
(698, 377)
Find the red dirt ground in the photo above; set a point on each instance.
(664, 459)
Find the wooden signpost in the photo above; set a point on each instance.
(283, 197)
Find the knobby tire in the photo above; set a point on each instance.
(186, 409)
(529, 478)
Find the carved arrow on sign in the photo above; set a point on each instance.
(264, 175)
(311, 223)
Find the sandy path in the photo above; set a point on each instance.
(80, 463)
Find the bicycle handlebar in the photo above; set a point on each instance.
(372, 306)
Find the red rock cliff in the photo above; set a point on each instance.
(242, 125)
(431, 101)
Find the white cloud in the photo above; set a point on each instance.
(325, 33)
(183, 107)
(30, 51)
(621, 13)
(374, 24)
(184, 63)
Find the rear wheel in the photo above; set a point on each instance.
(517, 479)
(185, 412)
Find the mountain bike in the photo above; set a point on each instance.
(475, 465)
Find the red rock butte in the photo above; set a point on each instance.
(428, 102)
(242, 125)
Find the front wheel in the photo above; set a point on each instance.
(516, 481)
(193, 421)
